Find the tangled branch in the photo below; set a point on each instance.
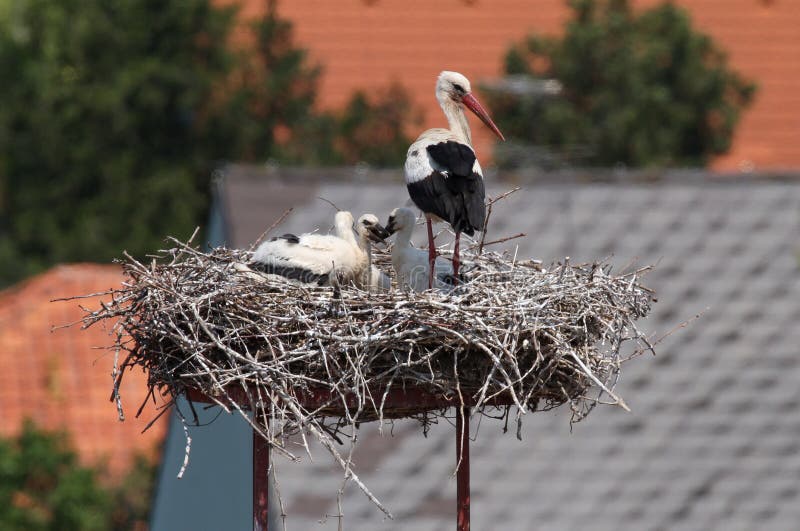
(514, 334)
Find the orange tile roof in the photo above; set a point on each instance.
(59, 379)
(368, 43)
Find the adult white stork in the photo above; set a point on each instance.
(319, 259)
(411, 264)
(443, 175)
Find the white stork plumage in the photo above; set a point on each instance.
(410, 264)
(370, 230)
(443, 175)
(321, 259)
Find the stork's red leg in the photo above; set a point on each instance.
(431, 254)
(456, 260)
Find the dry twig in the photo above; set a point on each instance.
(541, 337)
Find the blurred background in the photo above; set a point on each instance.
(638, 131)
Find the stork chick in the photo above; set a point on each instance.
(370, 231)
(317, 259)
(411, 265)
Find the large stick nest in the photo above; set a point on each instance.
(515, 332)
(537, 337)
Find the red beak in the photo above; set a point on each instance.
(475, 106)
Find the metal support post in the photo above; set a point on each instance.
(462, 475)
(260, 482)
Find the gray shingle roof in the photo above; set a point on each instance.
(714, 438)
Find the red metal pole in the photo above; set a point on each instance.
(462, 475)
(395, 398)
(260, 482)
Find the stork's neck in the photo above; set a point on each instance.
(403, 238)
(457, 120)
(366, 272)
(345, 232)
(366, 248)
(363, 242)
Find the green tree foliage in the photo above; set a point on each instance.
(44, 488)
(372, 130)
(113, 114)
(637, 88)
(108, 126)
(132, 498)
(273, 92)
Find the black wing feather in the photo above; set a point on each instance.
(457, 197)
(290, 238)
(292, 272)
(456, 157)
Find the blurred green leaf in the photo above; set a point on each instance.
(638, 88)
(44, 488)
(114, 115)
(372, 127)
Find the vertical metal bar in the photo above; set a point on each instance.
(462, 475)
(260, 482)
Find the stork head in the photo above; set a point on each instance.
(399, 219)
(369, 227)
(452, 87)
(343, 221)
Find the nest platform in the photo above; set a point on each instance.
(515, 336)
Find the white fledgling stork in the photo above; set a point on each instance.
(318, 259)
(443, 175)
(411, 264)
(370, 230)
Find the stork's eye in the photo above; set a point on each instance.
(459, 88)
(366, 222)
